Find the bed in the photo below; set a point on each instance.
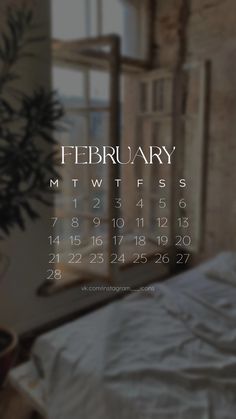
(166, 353)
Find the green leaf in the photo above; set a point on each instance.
(47, 137)
(32, 214)
(19, 218)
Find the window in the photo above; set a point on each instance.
(155, 115)
(74, 19)
(84, 92)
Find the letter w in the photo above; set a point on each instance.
(97, 183)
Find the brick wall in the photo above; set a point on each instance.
(210, 34)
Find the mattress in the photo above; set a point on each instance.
(165, 354)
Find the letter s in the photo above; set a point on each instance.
(162, 183)
(182, 183)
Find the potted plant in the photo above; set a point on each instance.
(8, 345)
(26, 120)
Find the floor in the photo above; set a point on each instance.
(13, 406)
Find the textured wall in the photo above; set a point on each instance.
(210, 35)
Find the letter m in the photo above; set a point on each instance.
(54, 183)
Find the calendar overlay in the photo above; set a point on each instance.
(107, 232)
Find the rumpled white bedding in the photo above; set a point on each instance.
(170, 354)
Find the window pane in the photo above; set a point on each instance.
(69, 85)
(93, 18)
(99, 88)
(113, 17)
(133, 33)
(68, 19)
(158, 95)
(144, 97)
(162, 95)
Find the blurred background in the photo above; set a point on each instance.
(171, 83)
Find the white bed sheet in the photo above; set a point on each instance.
(164, 355)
